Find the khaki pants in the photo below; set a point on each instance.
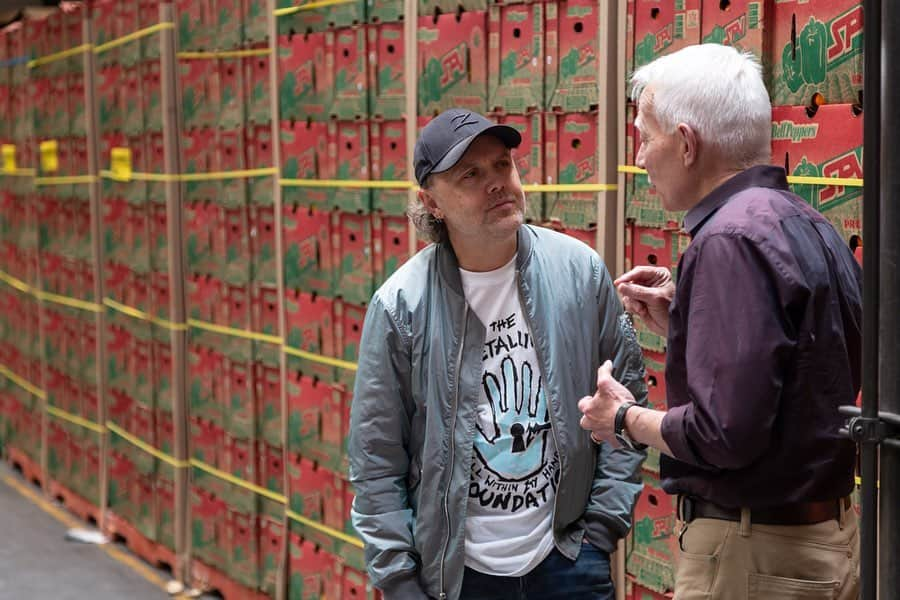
(725, 560)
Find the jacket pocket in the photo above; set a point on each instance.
(785, 588)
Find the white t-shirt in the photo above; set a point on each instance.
(515, 466)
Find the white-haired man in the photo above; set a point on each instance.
(473, 478)
(763, 345)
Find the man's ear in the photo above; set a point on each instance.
(428, 201)
(689, 144)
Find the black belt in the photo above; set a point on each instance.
(797, 513)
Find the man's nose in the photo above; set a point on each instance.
(639, 159)
(495, 184)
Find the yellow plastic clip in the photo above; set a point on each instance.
(120, 163)
(49, 156)
(9, 158)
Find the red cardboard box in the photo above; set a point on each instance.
(388, 148)
(267, 387)
(262, 244)
(241, 421)
(351, 73)
(827, 144)
(348, 144)
(306, 67)
(651, 246)
(654, 548)
(307, 397)
(206, 386)
(574, 53)
(305, 155)
(387, 87)
(664, 27)
(310, 568)
(570, 142)
(308, 262)
(516, 58)
(257, 90)
(308, 321)
(738, 23)
(352, 249)
(201, 93)
(816, 48)
(391, 244)
(452, 62)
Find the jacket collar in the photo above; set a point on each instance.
(448, 265)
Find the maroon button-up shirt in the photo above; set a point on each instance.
(764, 344)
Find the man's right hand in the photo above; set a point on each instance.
(647, 292)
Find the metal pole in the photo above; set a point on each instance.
(871, 165)
(888, 255)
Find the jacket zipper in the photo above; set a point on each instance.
(462, 345)
(549, 409)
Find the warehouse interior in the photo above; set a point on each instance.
(198, 199)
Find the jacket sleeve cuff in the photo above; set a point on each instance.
(673, 434)
(404, 586)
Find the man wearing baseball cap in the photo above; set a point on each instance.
(473, 477)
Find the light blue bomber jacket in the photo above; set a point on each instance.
(415, 405)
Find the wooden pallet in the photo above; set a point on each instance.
(30, 470)
(75, 504)
(152, 552)
(209, 579)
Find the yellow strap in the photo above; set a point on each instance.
(50, 297)
(348, 183)
(70, 302)
(165, 177)
(241, 333)
(226, 54)
(325, 529)
(9, 158)
(16, 283)
(20, 173)
(325, 360)
(43, 60)
(309, 6)
(830, 181)
(22, 383)
(134, 441)
(796, 179)
(139, 314)
(115, 176)
(133, 36)
(228, 174)
(570, 187)
(65, 180)
(238, 481)
(67, 416)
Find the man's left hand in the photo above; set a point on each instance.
(599, 410)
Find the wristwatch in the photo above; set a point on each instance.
(621, 433)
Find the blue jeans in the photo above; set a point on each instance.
(557, 577)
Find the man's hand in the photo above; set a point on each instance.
(647, 292)
(599, 410)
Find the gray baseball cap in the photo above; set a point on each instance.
(447, 137)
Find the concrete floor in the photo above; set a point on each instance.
(37, 562)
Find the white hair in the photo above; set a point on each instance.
(717, 91)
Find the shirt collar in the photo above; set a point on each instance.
(759, 176)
